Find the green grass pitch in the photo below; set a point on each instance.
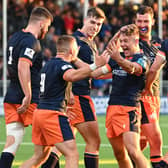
(107, 159)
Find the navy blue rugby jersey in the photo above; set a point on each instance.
(86, 53)
(150, 51)
(127, 88)
(23, 45)
(52, 85)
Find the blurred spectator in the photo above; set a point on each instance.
(58, 22)
(68, 17)
(69, 21)
(47, 55)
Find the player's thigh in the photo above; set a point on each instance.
(41, 152)
(118, 146)
(131, 141)
(67, 147)
(89, 130)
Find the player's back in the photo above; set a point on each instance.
(52, 85)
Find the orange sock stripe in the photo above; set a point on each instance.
(156, 159)
(92, 153)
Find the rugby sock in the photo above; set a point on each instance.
(91, 160)
(52, 161)
(157, 162)
(163, 164)
(6, 160)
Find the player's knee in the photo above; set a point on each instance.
(15, 132)
(93, 143)
(72, 155)
(133, 153)
(120, 155)
(96, 143)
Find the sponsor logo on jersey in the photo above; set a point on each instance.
(119, 72)
(29, 52)
(64, 67)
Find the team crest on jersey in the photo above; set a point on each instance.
(64, 67)
(29, 52)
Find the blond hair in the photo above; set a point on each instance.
(130, 30)
(64, 43)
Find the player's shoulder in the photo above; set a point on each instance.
(29, 38)
(156, 41)
(79, 36)
(58, 62)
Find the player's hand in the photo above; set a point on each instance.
(147, 92)
(71, 115)
(113, 50)
(102, 59)
(71, 100)
(24, 106)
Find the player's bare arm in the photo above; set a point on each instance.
(73, 75)
(154, 71)
(25, 81)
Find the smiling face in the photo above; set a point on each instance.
(144, 23)
(92, 26)
(129, 39)
(127, 44)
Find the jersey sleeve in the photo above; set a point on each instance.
(143, 62)
(28, 50)
(64, 67)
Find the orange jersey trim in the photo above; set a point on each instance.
(25, 59)
(108, 67)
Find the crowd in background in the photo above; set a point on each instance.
(68, 17)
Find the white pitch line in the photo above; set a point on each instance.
(78, 144)
(161, 125)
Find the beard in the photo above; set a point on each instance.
(42, 34)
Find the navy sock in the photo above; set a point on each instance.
(91, 160)
(52, 161)
(163, 164)
(157, 162)
(6, 160)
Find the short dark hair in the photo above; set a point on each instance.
(96, 12)
(145, 9)
(40, 12)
